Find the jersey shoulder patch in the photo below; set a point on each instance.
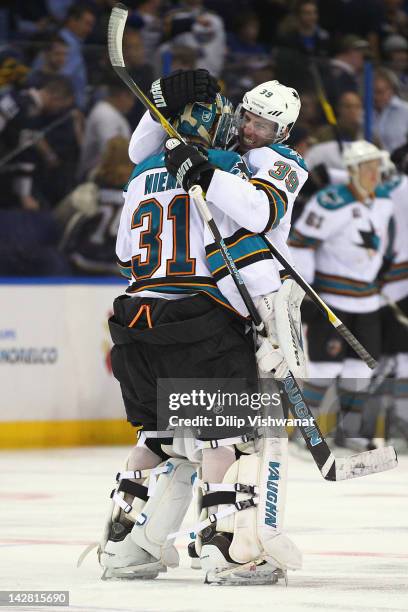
(335, 197)
(229, 161)
(289, 153)
(150, 163)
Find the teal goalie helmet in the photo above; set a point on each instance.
(212, 123)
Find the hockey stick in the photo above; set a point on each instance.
(116, 28)
(396, 310)
(350, 467)
(332, 318)
(325, 104)
(362, 464)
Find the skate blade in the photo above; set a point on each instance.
(136, 572)
(253, 573)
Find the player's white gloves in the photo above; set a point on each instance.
(269, 354)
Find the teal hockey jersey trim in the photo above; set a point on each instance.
(224, 160)
(289, 153)
(182, 285)
(385, 190)
(245, 248)
(228, 161)
(335, 197)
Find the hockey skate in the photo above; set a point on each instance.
(258, 571)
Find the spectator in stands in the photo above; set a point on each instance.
(243, 43)
(362, 18)
(177, 56)
(193, 26)
(346, 67)
(147, 19)
(51, 61)
(58, 9)
(299, 35)
(141, 72)
(33, 19)
(248, 61)
(305, 34)
(390, 111)
(89, 216)
(395, 48)
(78, 26)
(395, 19)
(349, 113)
(237, 81)
(183, 58)
(21, 114)
(310, 116)
(106, 120)
(28, 244)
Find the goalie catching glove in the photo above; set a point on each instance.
(171, 94)
(187, 165)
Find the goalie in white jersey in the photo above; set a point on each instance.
(339, 243)
(262, 123)
(208, 340)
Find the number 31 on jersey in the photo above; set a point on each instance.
(150, 239)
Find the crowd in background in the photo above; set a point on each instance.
(66, 118)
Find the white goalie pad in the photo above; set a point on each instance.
(145, 550)
(289, 327)
(164, 511)
(255, 520)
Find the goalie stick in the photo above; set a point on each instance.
(331, 468)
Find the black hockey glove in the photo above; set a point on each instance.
(187, 165)
(171, 94)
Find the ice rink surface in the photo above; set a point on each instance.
(354, 536)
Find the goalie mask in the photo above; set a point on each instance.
(212, 123)
(274, 102)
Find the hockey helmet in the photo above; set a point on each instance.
(212, 123)
(276, 103)
(359, 152)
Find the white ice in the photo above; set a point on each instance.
(354, 536)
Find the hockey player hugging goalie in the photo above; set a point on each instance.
(182, 317)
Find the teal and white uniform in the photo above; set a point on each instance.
(161, 234)
(396, 279)
(247, 212)
(339, 243)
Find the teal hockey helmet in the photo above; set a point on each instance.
(211, 123)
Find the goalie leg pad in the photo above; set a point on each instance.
(164, 511)
(253, 522)
(153, 500)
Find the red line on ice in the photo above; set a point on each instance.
(350, 553)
